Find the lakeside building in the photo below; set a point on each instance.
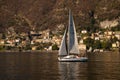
(114, 45)
(84, 31)
(117, 34)
(56, 40)
(2, 41)
(82, 48)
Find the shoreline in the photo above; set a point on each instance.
(7, 51)
(55, 51)
(103, 52)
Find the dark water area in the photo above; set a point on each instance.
(45, 66)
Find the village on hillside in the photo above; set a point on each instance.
(46, 40)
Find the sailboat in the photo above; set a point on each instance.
(69, 45)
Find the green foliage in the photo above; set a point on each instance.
(90, 28)
(2, 48)
(3, 36)
(102, 30)
(117, 28)
(89, 42)
(113, 40)
(93, 21)
(41, 46)
(8, 47)
(97, 44)
(106, 45)
(55, 47)
(28, 47)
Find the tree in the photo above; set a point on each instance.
(3, 36)
(117, 28)
(28, 47)
(97, 45)
(113, 40)
(89, 42)
(55, 47)
(106, 45)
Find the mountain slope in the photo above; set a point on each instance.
(24, 15)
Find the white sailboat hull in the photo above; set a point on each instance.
(75, 59)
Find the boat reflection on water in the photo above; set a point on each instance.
(99, 67)
(72, 71)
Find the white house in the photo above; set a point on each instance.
(82, 47)
(84, 31)
(2, 42)
(114, 45)
(97, 38)
(81, 41)
(117, 34)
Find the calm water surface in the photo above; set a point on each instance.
(44, 66)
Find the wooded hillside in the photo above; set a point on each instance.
(25, 15)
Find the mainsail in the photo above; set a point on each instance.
(72, 39)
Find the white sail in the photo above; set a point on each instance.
(72, 37)
(63, 48)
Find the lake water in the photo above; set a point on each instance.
(44, 66)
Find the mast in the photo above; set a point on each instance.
(72, 47)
